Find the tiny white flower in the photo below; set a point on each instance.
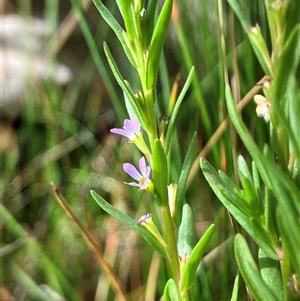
(263, 107)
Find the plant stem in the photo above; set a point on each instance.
(170, 238)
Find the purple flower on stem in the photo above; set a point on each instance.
(142, 177)
(131, 129)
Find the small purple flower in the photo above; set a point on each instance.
(144, 218)
(142, 177)
(131, 129)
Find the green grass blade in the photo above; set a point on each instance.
(257, 41)
(240, 13)
(176, 110)
(185, 171)
(31, 287)
(286, 89)
(97, 58)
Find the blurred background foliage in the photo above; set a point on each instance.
(58, 102)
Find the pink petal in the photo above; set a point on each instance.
(132, 171)
(136, 126)
(120, 132)
(132, 184)
(143, 166)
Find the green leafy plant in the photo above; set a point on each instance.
(247, 205)
(143, 46)
(260, 208)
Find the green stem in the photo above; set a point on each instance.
(149, 97)
(285, 270)
(276, 13)
(150, 100)
(170, 238)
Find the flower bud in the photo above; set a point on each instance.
(172, 190)
(147, 222)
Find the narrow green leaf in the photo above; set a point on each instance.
(244, 134)
(233, 205)
(186, 167)
(243, 168)
(284, 189)
(157, 42)
(290, 56)
(126, 9)
(97, 57)
(240, 12)
(249, 271)
(289, 231)
(261, 232)
(292, 99)
(269, 212)
(116, 71)
(250, 196)
(115, 26)
(186, 232)
(235, 290)
(261, 50)
(131, 223)
(32, 288)
(238, 200)
(285, 83)
(160, 174)
(255, 176)
(130, 110)
(150, 19)
(188, 275)
(170, 291)
(256, 39)
(130, 98)
(8, 220)
(228, 182)
(176, 109)
(270, 273)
